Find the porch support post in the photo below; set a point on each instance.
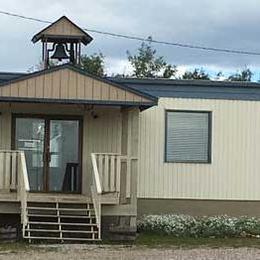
(129, 148)
(5, 130)
(120, 220)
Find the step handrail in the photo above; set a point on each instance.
(96, 191)
(24, 189)
(96, 176)
(24, 172)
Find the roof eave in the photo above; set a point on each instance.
(78, 102)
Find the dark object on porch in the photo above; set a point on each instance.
(71, 178)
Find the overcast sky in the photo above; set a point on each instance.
(230, 24)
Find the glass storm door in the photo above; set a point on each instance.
(63, 156)
(52, 155)
(29, 137)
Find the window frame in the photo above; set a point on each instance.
(209, 153)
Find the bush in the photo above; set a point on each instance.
(188, 226)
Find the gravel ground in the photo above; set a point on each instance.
(107, 252)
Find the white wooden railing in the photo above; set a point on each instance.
(14, 177)
(24, 188)
(105, 178)
(107, 171)
(96, 191)
(9, 161)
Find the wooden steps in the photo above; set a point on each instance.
(63, 239)
(60, 221)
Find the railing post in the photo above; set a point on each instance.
(24, 188)
(118, 173)
(9, 170)
(112, 173)
(2, 164)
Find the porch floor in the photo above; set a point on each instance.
(108, 198)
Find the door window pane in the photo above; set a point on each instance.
(29, 137)
(64, 156)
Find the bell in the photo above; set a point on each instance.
(59, 52)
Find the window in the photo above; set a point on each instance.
(188, 135)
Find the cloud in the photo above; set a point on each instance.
(230, 24)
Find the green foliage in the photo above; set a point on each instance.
(188, 226)
(243, 75)
(198, 74)
(93, 64)
(147, 64)
(153, 240)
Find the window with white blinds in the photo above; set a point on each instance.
(188, 136)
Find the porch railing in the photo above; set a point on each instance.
(9, 170)
(13, 175)
(24, 188)
(107, 168)
(106, 178)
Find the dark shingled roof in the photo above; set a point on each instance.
(7, 76)
(194, 88)
(179, 88)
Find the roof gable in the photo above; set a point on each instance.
(63, 27)
(69, 83)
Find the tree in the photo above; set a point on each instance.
(147, 65)
(94, 64)
(199, 74)
(243, 75)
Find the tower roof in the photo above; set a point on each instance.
(63, 28)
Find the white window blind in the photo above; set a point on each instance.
(187, 136)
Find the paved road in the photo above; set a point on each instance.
(77, 252)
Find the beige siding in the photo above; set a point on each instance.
(235, 169)
(63, 27)
(68, 84)
(5, 130)
(102, 134)
(1, 132)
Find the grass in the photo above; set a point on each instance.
(151, 241)
(154, 240)
(14, 246)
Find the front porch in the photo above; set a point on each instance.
(106, 172)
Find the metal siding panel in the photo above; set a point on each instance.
(14, 90)
(234, 171)
(56, 84)
(72, 85)
(104, 91)
(48, 85)
(31, 87)
(88, 88)
(101, 135)
(80, 86)
(39, 93)
(96, 90)
(64, 88)
(6, 131)
(1, 132)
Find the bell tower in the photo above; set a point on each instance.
(62, 40)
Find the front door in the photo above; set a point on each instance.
(52, 152)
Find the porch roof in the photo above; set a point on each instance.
(68, 84)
